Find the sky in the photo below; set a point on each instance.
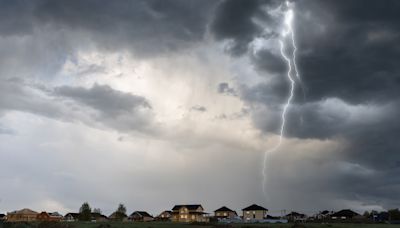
(163, 102)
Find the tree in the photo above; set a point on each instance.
(85, 212)
(121, 212)
(97, 210)
(366, 214)
(394, 214)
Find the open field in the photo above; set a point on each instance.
(182, 225)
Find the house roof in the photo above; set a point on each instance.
(55, 214)
(254, 207)
(74, 215)
(114, 215)
(345, 213)
(224, 209)
(24, 211)
(169, 212)
(97, 215)
(188, 206)
(2, 215)
(142, 214)
(325, 212)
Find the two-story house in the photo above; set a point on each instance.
(254, 212)
(188, 213)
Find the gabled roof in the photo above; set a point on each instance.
(55, 214)
(325, 212)
(224, 209)
(190, 207)
(2, 215)
(97, 215)
(114, 215)
(345, 213)
(24, 211)
(142, 214)
(169, 212)
(254, 207)
(74, 215)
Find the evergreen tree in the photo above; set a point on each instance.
(85, 212)
(121, 212)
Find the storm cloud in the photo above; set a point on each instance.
(196, 89)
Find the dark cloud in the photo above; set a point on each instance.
(354, 57)
(224, 88)
(103, 98)
(37, 37)
(198, 108)
(235, 21)
(145, 27)
(348, 54)
(98, 106)
(116, 109)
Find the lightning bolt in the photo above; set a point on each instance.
(287, 32)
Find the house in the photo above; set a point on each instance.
(24, 215)
(49, 217)
(254, 212)
(224, 213)
(71, 217)
(2, 217)
(164, 216)
(141, 216)
(97, 217)
(188, 213)
(344, 215)
(323, 215)
(295, 216)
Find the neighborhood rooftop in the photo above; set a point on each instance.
(254, 207)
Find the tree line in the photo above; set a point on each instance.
(85, 212)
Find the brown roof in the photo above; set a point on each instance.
(24, 211)
(224, 209)
(254, 207)
(345, 213)
(190, 207)
(142, 214)
(73, 215)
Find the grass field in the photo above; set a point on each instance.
(182, 225)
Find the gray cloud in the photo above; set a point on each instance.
(348, 59)
(99, 105)
(198, 108)
(146, 27)
(235, 20)
(103, 98)
(224, 88)
(348, 53)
